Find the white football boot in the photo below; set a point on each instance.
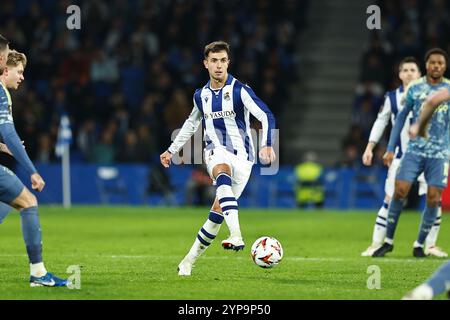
(371, 249)
(422, 292)
(436, 252)
(233, 243)
(185, 267)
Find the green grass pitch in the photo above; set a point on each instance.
(133, 253)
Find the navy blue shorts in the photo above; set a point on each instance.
(435, 170)
(10, 185)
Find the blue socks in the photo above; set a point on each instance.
(395, 209)
(32, 236)
(428, 218)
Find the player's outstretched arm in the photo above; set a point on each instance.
(377, 131)
(261, 112)
(430, 105)
(190, 126)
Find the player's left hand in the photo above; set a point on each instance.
(165, 159)
(267, 155)
(37, 183)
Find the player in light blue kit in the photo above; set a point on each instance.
(409, 71)
(429, 156)
(12, 190)
(439, 282)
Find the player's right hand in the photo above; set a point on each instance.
(388, 157)
(367, 158)
(413, 131)
(37, 183)
(165, 158)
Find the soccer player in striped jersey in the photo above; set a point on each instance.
(12, 190)
(394, 103)
(223, 107)
(429, 156)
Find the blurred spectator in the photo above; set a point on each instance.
(128, 151)
(146, 146)
(351, 157)
(86, 138)
(365, 114)
(199, 188)
(104, 151)
(104, 68)
(159, 183)
(309, 189)
(355, 138)
(139, 62)
(45, 150)
(373, 70)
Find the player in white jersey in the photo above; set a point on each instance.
(223, 107)
(408, 71)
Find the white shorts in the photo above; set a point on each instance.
(389, 185)
(240, 169)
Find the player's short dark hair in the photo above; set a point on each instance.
(217, 46)
(409, 59)
(436, 51)
(3, 43)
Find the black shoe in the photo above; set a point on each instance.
(419, 253)
(385, 248)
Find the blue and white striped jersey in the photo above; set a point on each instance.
(225, 117)
(393, 104)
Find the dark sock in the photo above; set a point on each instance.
(31, 231)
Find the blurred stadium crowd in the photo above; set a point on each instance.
(128, 76)
(409, 28)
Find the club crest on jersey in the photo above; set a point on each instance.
(226, 96)
(219, 115)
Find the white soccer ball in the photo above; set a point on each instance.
(267, 252)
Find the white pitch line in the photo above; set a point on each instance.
(293, 258)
